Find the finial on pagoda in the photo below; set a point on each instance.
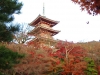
(43, 9)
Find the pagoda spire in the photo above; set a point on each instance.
(43, 9)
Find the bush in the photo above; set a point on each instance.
(8, 58)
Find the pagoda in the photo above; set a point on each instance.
(43, 31)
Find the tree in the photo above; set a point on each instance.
(71, 58)
(91, 6)
(36, 62)
(22, 36)
(8, 59)
(91, 68)
(7, 9)
(6, 33)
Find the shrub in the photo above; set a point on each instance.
(8, 58)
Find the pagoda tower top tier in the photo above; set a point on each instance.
(42, 19)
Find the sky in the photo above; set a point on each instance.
(73, 22)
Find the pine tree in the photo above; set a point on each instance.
(7, 9)
(8, 59)
(91, 70)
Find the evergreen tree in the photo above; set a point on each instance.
(8, 59)
(91, 70)
(7, 9)
(6, 33)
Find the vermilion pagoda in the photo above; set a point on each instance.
(43, 31)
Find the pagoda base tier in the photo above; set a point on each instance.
(42, 42)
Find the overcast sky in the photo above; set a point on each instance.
(73, 23)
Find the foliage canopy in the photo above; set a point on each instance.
(7, 9)
(91, 6)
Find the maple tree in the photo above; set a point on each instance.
(72, 56)
(91, 6)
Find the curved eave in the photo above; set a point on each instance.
(39, 18)
(54, 32)
(50, 30)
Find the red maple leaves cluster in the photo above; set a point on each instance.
(91, 6)
(72, 56)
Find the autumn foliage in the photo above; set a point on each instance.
(66, 58)
(72, 56)
(91, 6)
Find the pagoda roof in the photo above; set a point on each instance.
(54, 32)
(43, 18)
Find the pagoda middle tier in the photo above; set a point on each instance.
(42, 31)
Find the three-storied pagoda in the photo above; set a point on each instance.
(43, 31)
